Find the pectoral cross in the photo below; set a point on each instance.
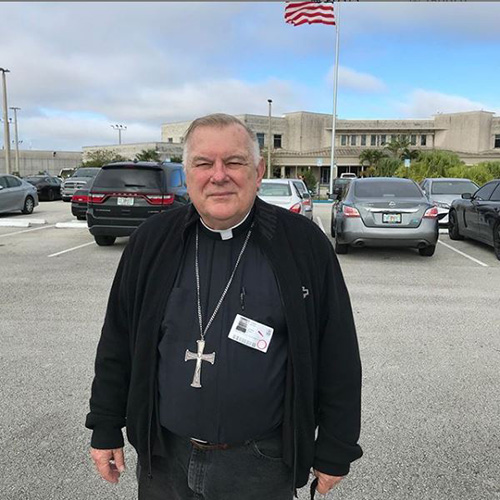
(199, 356)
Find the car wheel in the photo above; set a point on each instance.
(104, 241)
(29, 205)
(427, 251)
(51, 195)
(332, 228)
(340, 248)
(81, 217)
(496, 240)
(453, 231)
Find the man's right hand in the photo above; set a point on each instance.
(109, 463)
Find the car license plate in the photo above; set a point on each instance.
(125, 201)
(391, 218)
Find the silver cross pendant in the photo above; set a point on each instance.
(199, 357)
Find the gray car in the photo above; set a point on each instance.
(442, 191)
(291, 194)
(77, 181)
(384, 211)
(17, 195)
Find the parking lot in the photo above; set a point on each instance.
(429, 333)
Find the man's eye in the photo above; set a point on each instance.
(235, 164)
(202, 165)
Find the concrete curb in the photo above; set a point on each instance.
(14, 223)
(72, 225)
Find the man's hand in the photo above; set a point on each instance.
(326, 482)
(109, 463)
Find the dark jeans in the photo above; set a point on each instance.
(253, 471)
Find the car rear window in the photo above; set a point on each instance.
(453, 187)
(86, 172)
(128, 177)
(387, 189)
(275, 189)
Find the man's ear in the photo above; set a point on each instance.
(261, 170)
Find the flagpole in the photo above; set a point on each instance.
(333, 168)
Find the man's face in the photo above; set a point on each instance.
(221, 176)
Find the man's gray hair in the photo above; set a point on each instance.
(221, 120)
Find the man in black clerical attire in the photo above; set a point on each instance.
(228, 350)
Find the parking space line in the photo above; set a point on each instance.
(71, 249)
(320, 223)
(463, 254)
(26, 231)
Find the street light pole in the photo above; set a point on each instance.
(270, 101)
(119, 128)
(15, 109)
(6, 136)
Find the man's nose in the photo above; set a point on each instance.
(219, 172)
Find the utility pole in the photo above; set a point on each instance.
(16, 138)
(119, 128)
(269, 142)
(6, 135)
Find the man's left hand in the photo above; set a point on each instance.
(326, 482)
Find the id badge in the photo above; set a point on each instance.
(251, 333)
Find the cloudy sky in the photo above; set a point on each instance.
(77, 68)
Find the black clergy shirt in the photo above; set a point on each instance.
(242, 392)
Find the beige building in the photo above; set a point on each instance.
(31, 162)
(302, 140)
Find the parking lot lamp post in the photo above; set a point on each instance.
(6, 137)
(119, 128)
(16, 139)
(269, 142)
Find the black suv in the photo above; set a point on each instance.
(123, 195)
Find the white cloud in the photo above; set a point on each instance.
(425, 103)
(350, 79)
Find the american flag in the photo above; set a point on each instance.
(298, 13)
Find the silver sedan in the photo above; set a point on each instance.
(384, 211)
(17, 195)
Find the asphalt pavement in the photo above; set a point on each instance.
(429, 334)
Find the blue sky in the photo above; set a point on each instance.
(77, 68)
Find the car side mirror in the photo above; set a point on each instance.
(466, 196)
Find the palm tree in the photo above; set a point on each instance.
(148, 155)
(372, 157)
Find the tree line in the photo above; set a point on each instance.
(101, 157)
(389, 162)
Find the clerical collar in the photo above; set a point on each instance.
(227, 234)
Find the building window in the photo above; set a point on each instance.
(383, 139)
(277, 141)
(343, 140)
(363, 140)
(394, 137)
(497, 141)
(260, 139)
(170, 140)
(413, 140)
(353, 140)
(373, 140)
(423, 140)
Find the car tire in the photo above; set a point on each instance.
(29, 205)
(332, 229)
(496, 240)
(340, 248)
(81, 217)
(104, 241)
(51, 196)
(453, 230)
(427, 251)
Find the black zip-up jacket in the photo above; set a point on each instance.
(324, 369)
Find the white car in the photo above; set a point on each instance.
(291, 194)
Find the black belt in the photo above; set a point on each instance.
(205, 446)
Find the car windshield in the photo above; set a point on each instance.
(275, 189)
(387, 189)
(86, 172)
(129, 177)
(34, 180)
(453, 187)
